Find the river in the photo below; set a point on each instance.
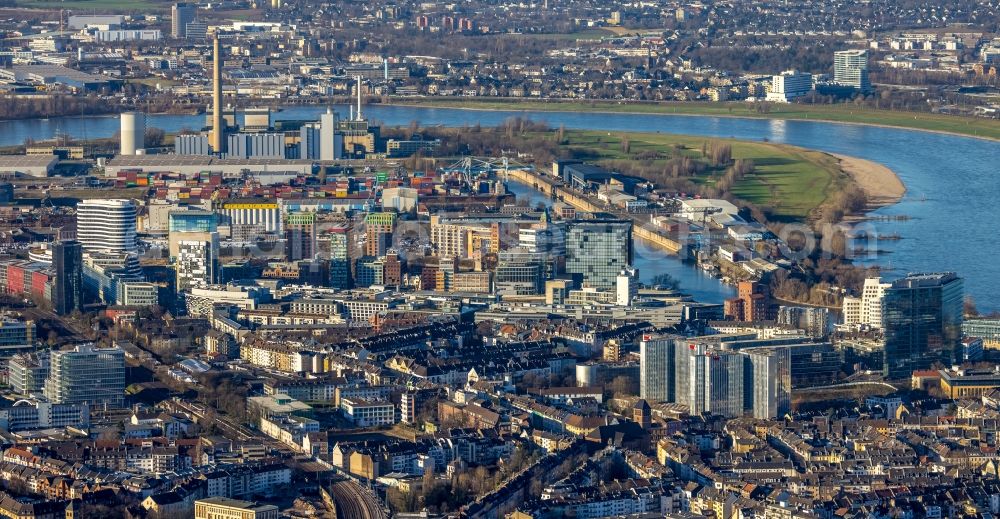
(951, 181)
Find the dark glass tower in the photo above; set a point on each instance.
(922, 317)
(67, 261)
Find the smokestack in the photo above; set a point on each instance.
(359, 98)
(218, 127)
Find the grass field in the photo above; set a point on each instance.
(586, 34)
(792, 181)
(846, 113)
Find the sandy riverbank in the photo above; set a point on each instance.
(881, 184)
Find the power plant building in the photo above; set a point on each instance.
(255, 146)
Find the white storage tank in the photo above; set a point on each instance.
(133, 132)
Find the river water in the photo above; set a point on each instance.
(952, 182)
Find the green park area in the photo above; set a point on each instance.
(844, 112)
(792, 182)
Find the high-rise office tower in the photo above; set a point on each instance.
(190, 224)
(378, 233)
(850, 68)
(193, 243)
(340, 263)
(687, 373)
(656, 368)
(300, 236)
(723, 383)
(197, 262)
(181, 14)
(86, 374)
(767, 382)
(597, 250)
(107, 225)
(67, 261)
(922, 322)
(709, 380)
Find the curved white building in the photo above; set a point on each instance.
(106, 225)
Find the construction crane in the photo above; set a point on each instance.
(705, 232)
(471, 167)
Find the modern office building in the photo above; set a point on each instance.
(368, 271)
(189, 224)
(378, 233)
(866, 310)
(27, 415)
(197, 262)
(106, 225)
(67, 291)
(850, 68)
(225, 508)
(16, 337)
(685, 371)
(138, 293)
(985, 328)
(87, 374)
(520, 272)
(656, 368)
(789, 85)
(27, 372)
(813, 320)
(597, 250)
(922, 323)
(181, 14)
(340, 263)
(722, 376)
(300, 236)
(105, 271)
(767, 382)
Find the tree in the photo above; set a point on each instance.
(623, 386)
(154, 137)
(969, 307)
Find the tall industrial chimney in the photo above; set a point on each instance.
(218, 135)
(359, 99)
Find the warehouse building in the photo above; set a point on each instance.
(27, 165)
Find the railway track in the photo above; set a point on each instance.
(354, 502)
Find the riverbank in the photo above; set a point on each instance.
(789, 182)
(976, 127)
(881, 184)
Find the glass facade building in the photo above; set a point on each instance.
(87, 374)
(597, 250)
(922, 319)
(67, 261)
(850, 68)
(656, 369)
